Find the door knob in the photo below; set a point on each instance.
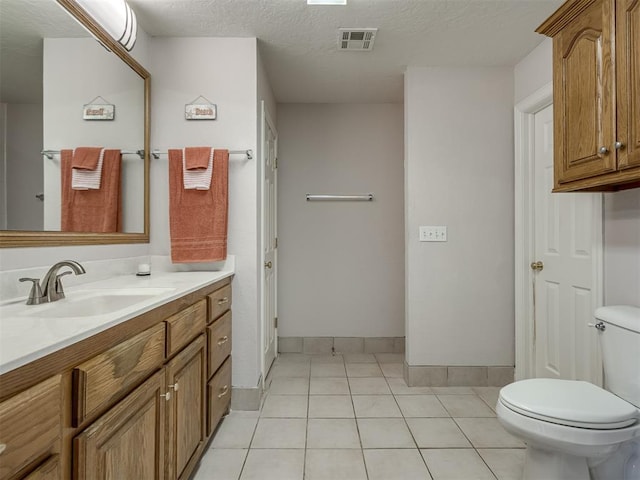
(537, 266)
(268, 264)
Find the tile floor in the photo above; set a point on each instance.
(352, 417)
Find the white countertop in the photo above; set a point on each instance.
(25, 336)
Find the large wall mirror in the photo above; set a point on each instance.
(50, 68)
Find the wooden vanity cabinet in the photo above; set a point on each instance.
(30, 432)
(596, 90)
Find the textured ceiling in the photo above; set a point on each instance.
(299, 42)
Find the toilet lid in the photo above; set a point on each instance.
(569, 402)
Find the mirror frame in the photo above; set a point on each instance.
(22, 238)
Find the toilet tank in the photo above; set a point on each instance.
(620, 342)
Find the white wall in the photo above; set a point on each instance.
(76, 70)
(459, 173)
(3, 166)
(341, 264)
(224, 71)
(621, 209)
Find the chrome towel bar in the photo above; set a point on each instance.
(367, 197)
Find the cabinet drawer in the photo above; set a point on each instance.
(106, 377)
(219, 342)
(184, 326)
(30, 426)
(219, 302)
(49, 470)
(218, 396)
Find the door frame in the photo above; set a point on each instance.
(524, 131)
(265, 118)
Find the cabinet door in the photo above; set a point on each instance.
(583, 80)
(49, 470)
(126, 442)
(186, 420)
(628, 81)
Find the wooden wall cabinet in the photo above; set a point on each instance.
(143, 408)
(596, 83)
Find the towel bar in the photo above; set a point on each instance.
(50, 153)
(249, 153)
(368, 197)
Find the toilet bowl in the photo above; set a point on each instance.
(575, 430)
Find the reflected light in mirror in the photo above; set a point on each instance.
(116, 17)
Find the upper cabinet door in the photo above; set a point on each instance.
(584, 95)
(628, 79)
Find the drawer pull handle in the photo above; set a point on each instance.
(223, 340)
(224, 391)
(223, 300)
(174, 386)
(3, 447)
(166, 396)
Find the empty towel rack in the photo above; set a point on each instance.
(313, 197)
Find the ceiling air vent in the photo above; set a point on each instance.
(356, 39)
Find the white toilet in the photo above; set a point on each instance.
(575, 430)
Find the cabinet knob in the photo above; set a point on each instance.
(223, 300)
(174, 387)
(224, 391)
(166, 396)
(3, 447)
(603, 150)
(619, 145)
(223, 340)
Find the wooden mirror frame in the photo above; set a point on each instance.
(22, 238)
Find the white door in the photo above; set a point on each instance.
(269, 241)
(567, 232)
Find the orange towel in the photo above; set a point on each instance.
(97, 211)
(86, 158)
(198, 218)
(196, 158)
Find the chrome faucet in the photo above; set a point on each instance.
(51, 288)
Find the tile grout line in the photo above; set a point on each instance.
(355, 419)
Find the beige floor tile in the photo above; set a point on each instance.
(329, 386)
(489, 395)
(465, 406)
(395, 464)
(456, 464)
(453, 390)
(289, 386)
(332, 464)
(393, 370)
(330, 406)
(421, 406)
(385, 433)
(297, 369)
(220, 464)
(332, 433)
(285, 406)
(390, 357)
(234, 432)
(363, 370)
(375, 406)
(274, 465)
(327, 370)
(506, 464)
(487, 433)
(437, 433)
(324, 359)
(280, 433)
(359, 358)
(369, 386)
(399, 387)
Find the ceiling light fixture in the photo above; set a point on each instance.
(114, 16)
(326, 2)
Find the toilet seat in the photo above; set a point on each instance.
(568, 402)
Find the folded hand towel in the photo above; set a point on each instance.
(97, 211)
(197, 157)
(82, 179)
(86, 158)
(198, 218)
(197, 179)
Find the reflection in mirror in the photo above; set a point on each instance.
(50, 68)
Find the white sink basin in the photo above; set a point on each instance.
(89, 303)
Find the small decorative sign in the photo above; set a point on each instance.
(98, 111)
(200, 111)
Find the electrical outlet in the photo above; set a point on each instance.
(433, 234)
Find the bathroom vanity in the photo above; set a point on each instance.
(131, 394)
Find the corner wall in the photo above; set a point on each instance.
(459, 173)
